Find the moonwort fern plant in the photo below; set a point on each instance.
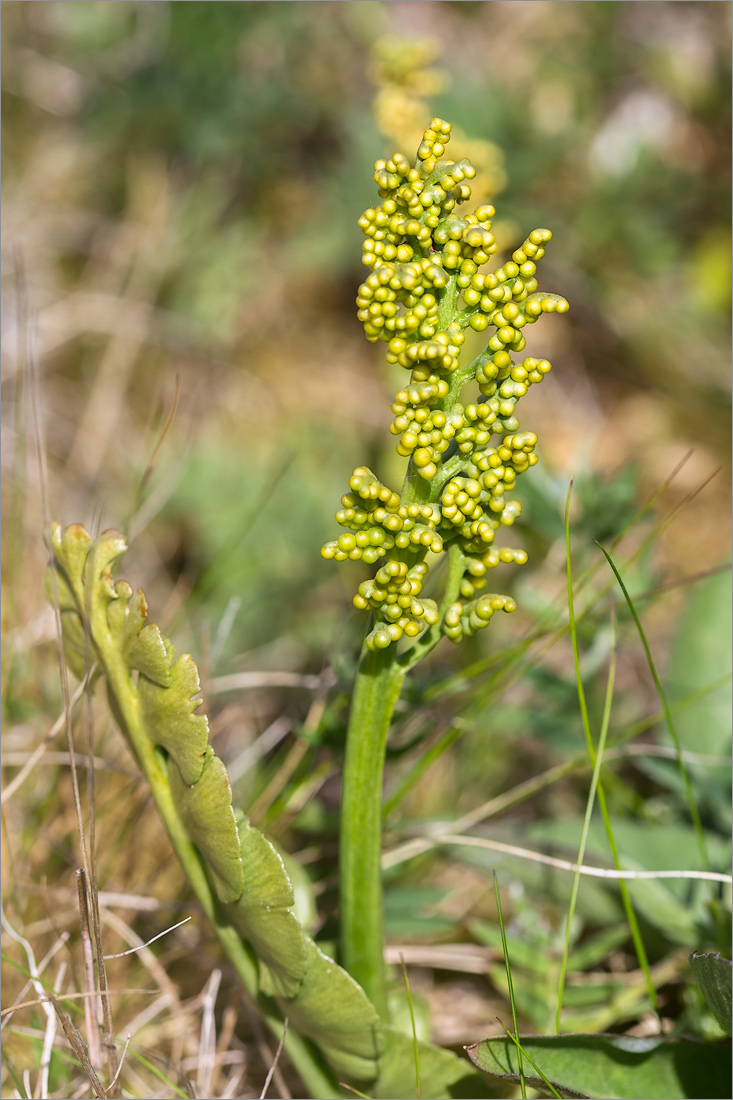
(425, 288)
(464, 454)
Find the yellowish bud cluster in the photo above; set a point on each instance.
(424, 289)
(508, 298)
(463, 620)
(394, 285)
(439, 354)
(379, 522)
(394, 595)
(479, 564)
(415, 244)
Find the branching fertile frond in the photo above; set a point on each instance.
(424, 257)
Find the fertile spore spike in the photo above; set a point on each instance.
(425, 288)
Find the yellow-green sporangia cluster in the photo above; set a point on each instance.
(427, 283)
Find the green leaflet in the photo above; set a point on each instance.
(67, 585)
(110, 621)
(144, 647)
(206, 809)
(169, 711)
(105, 622)
(336, 1013)
(265, 917)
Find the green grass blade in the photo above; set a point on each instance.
(577, 763)
(510, 984)
(689, 796)
(586, 823)
(152, 1068)
(574, 632)
(412, 1022)
(14, 1074)
(623, 888)
(523, 1054)
(70, 1006)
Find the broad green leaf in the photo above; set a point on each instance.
(442, 1073)
(206, 809)
(702, 654)
(266, 881)
(264, 915)
(336, 1013)
(713, 975)
(613, 1067)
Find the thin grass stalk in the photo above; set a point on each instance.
(623, 889)
(92, 894)
(689, 796)
(90, 1003)
(412, 1024)
(522, 1052)
(586, 822)
(87, 851)
(510, 985)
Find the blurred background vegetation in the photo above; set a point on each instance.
(181, 188)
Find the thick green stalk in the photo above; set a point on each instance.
(377, 689)
(378, 684)
(423, 291)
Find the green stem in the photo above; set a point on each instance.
(377, 689)
(378, 684)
